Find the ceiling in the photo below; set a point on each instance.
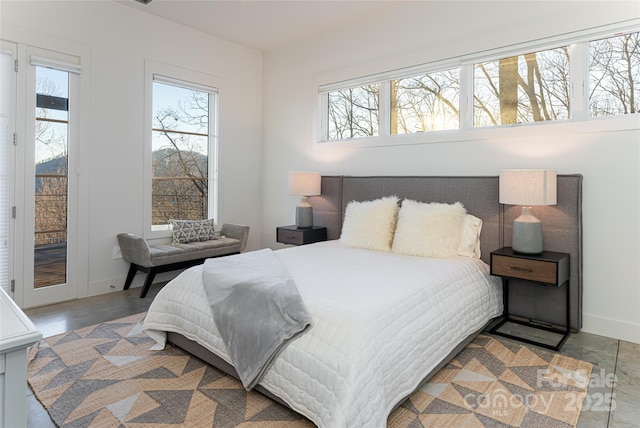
(264, 24)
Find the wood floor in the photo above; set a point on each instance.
(615, 377)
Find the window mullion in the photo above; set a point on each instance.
(384, 108)
(213, 206)
(579, 77)
(466, 96)
(323, 117)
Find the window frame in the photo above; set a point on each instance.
(70, 61)
(178, 76)
(578, 43)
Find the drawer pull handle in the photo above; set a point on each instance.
(521, 269)
(291, 237)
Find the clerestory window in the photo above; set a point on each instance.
(543, 85)
(426, 102)
(533, 87)
(614, 75)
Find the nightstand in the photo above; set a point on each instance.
(299, 236)
(549, 269)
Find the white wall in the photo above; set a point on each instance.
(419, 32)
(118, 39)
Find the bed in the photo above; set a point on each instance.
(383, 322)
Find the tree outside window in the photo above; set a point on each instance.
(534, 87)
(354, 112)
(614, 75)
(428, 102)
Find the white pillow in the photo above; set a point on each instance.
(429, 230)
(470, 238)
(370, 224)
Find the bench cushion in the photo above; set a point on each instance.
(166, 254)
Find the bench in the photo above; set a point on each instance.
(154, 259)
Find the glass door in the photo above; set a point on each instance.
(51, 177)
(50, 240)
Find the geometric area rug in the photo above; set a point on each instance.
(106, 376)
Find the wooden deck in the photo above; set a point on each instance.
(50, 265)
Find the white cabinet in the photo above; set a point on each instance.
(17, 334)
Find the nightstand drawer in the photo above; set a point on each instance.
(289, 236)
(531, 270)
(297, 236)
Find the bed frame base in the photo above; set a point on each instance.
(209, 357)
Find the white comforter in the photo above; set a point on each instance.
(381, 323)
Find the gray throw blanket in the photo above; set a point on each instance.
(256, 307)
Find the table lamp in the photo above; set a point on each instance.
(304, 184)
(528, 187)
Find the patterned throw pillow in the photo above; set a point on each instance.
(185, 231)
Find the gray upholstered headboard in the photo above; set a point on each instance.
(561, 223)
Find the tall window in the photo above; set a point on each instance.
(51, 176)
(183, 152)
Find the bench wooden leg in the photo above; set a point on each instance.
(147, 282)
(152, 271)
(133, 269)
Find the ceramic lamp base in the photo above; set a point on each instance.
(304, 214)
(527, 233)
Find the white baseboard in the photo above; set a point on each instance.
(610, 327)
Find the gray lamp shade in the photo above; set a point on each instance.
(304, 184)
(528, 187)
